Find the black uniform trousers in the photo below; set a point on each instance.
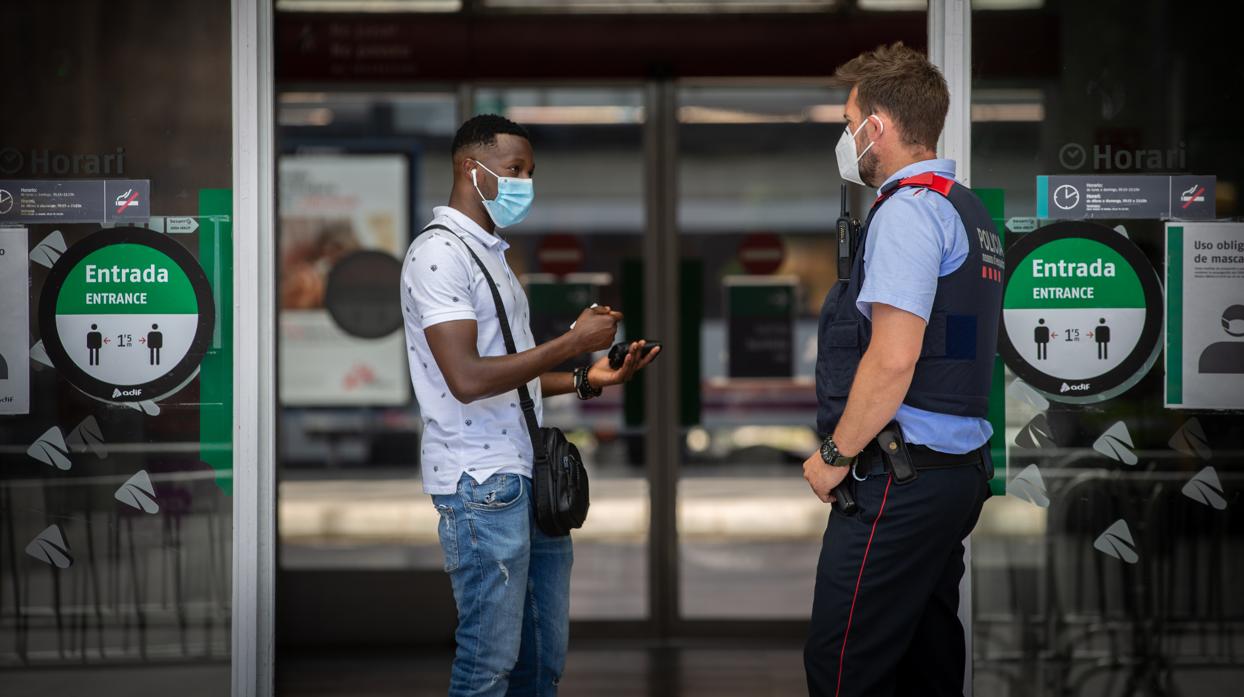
(885, 614)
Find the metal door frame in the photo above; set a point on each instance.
(254, 543)
(254, 376)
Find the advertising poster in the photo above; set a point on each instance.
(1082, 312)
(340, 215)
(1205, 315)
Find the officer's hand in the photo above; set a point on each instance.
(595, 329)
(821, 477)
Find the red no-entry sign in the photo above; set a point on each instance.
(560, 254)
(761, 253)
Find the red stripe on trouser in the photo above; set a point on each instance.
(842, 656)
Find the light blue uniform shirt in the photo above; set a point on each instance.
(915, 238)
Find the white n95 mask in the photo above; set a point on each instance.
(848, 160)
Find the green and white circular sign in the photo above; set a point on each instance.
(126, 315)
(1082, 312)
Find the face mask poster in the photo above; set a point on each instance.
(1205, 315)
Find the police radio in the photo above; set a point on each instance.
(848, 238)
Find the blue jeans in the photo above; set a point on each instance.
(512, 587)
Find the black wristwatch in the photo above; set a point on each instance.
(831, 456)
(582, 388)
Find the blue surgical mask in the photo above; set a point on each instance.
(513, 201)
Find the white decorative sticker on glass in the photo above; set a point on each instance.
(49, 250)
(1022, 392)
(1036, 434)
(1116, 444)
(147, 406)
(1191, 441)
(87, 435)
(38, 354)
(1117, 542)
(50, 449)
(137, 492)
(1206, 488)
(49, 547)
(1029, 486)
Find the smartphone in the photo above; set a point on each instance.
(617, 354)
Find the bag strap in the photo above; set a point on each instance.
(524, 395)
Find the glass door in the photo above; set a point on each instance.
(360, 173)
(758, 194)
(583, 244)
(117, 353)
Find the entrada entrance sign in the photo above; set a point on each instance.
(1082, 312)
(126, 315)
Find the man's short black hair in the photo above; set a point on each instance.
(484, 129)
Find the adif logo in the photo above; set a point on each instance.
(117, 392)
(1073, 388)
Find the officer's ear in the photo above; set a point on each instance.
(877, 126)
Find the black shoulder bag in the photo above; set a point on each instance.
(558, 476)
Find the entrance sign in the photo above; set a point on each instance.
(1205, 315)
(15, 315)
(126, 315)
(1082, 312)
(75, 200)
(1188, 197)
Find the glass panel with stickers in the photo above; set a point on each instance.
(116, 352)
(1111, 162)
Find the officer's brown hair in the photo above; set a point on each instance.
(903, 83)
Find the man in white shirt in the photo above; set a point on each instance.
(511, 582)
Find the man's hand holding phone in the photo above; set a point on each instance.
(608, 371)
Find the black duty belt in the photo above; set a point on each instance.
(923, 457)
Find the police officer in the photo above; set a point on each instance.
(905, 358)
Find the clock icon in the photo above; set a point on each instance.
(6, 202)
(1066, 197)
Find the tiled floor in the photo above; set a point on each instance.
(598, 672)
